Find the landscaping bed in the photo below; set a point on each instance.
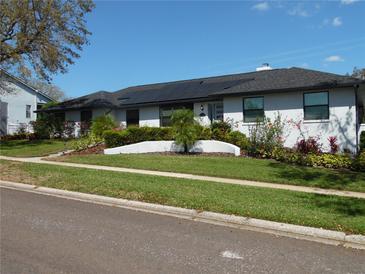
(322, 211)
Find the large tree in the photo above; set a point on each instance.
(39, 38)
(358, 73)
(51, 90)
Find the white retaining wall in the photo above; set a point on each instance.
(202, 146)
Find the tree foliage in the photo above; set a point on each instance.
(358, 73)
(51, 90)
(101, 124)
(42, 37)
(185, 128)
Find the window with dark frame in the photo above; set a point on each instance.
(253, 109)
(316, 105)
(132, 117)
(167, 110)
(27, 111)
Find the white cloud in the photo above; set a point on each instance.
(263, 6)
(348, 2)
(337, 21)
(298, 11)
(334, 58)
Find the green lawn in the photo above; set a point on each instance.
(330, 212)
(26, 148)
(232, 167)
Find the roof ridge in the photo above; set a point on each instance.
(26, 84)
(201, 78)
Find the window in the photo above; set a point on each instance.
(166, 112)
(215, 111)
(316, 106)
(86, 116)
(132, 117)
(27, 111)
(253, 109)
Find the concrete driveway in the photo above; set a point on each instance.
(45, 234)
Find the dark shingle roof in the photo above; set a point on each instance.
(275, 80)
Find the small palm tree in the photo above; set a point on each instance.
(185, 128)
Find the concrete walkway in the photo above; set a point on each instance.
(40, 160)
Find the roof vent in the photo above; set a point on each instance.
(265, 66)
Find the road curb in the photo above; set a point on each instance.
(276, 228)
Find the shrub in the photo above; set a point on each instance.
(329, 160)
(362, 141)
(204, 133)
(86, 142)
(102, 123)
(22, 136)
(22, 129)
(115, 138)
(239, 139)
(359, 162)
(69, 129)
(333, 144)
(287, 155)
(185, 128)
(48, 125)
(220, 130)
(310, 145)
(265, 136)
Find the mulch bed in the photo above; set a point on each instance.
(98, 149)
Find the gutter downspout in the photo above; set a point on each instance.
(356, 89)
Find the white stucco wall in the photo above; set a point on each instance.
(203, 120)
(149, 116)
(341, 123)
(19, 96)
(120, 117)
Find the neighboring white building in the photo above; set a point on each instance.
(18, 103)
(321, 104)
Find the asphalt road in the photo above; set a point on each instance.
(45, 234)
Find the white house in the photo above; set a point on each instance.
(18, 101)
(320, 104)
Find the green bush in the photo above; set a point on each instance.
(220, 131)
(86, 142)
(204, 133)
(186, 128)
(329, 160)
(265, 136)
(101, 124)
(359, 162)
(362, 141)
(239, 139)
(316, 160)
(115, 138)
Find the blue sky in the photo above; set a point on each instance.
(136, 42)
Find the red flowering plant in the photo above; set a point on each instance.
(333, 144)
(309, 146)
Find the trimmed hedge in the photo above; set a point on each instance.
(359, 162)
(115, 138)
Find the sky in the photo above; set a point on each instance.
(141, 42)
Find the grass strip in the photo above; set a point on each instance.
(328, 212)
(32, 148)
(232, 167)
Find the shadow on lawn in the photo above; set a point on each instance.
(318, 177)
(349, 207)
(22, 143)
